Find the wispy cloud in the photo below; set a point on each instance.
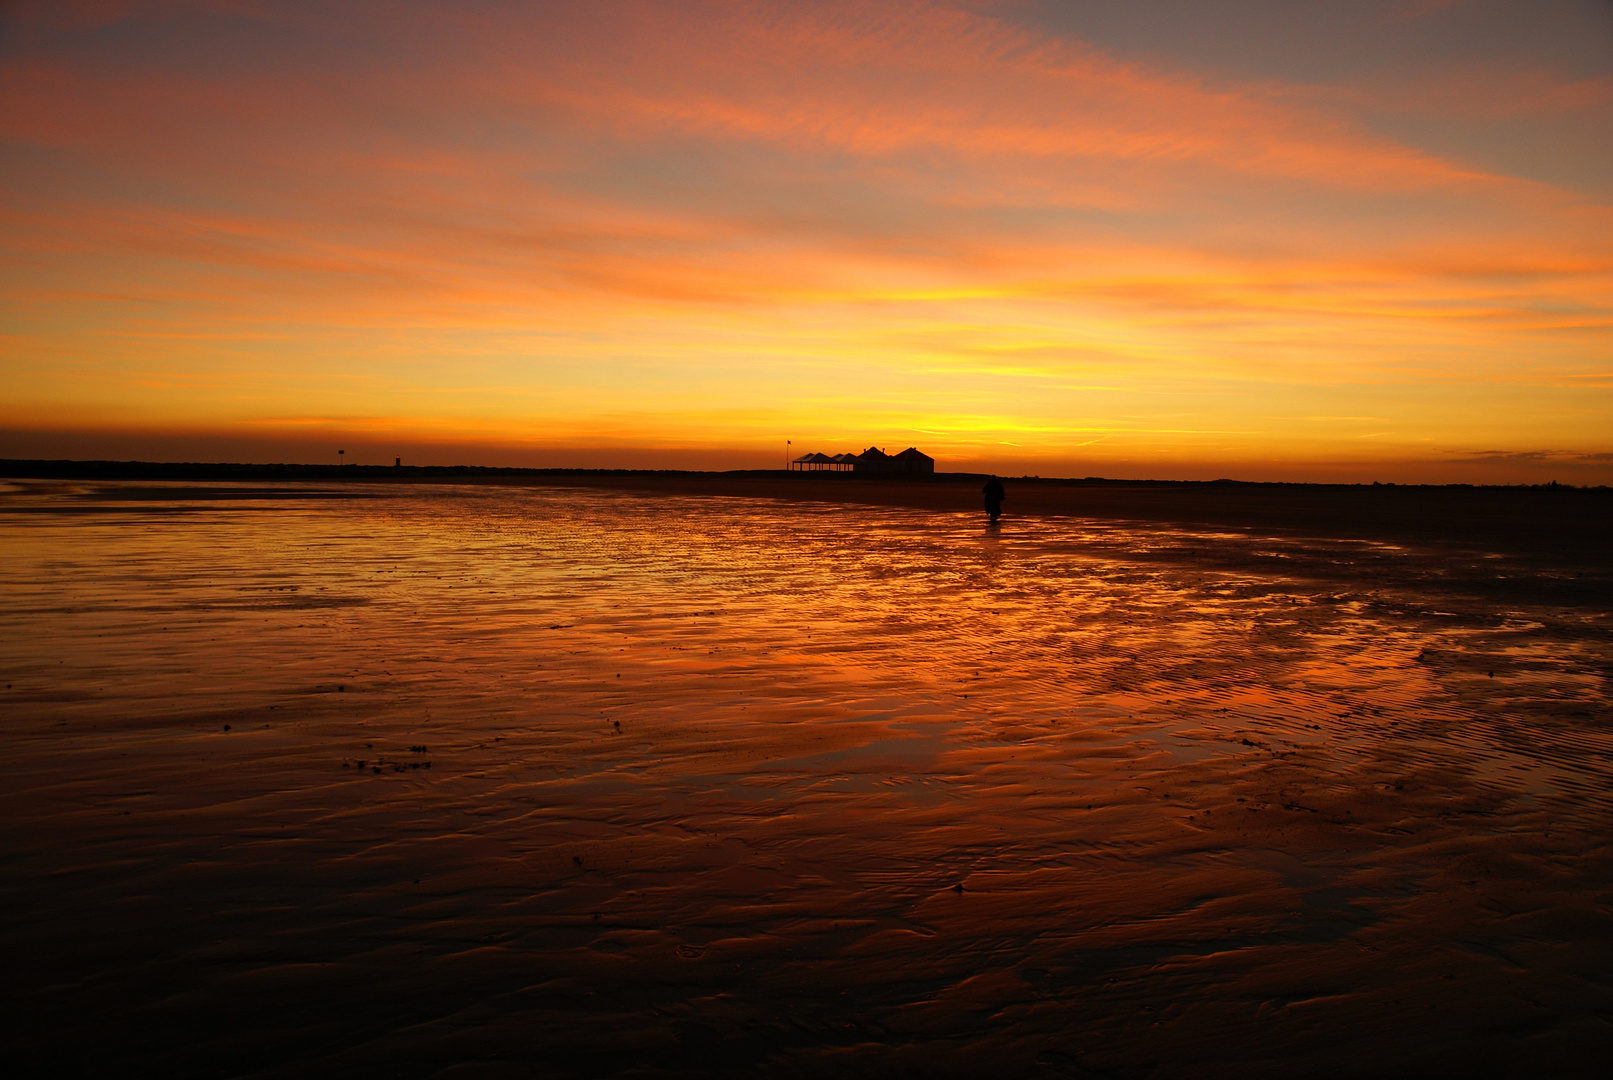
(1532, 457)
(572, 212)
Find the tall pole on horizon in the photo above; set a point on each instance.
(786, 455)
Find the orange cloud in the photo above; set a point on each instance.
(468, 217)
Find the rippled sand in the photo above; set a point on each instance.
(550, 781)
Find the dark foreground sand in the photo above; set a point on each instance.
(593, 780)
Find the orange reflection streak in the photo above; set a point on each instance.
(634, 734)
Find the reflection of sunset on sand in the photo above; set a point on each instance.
(503, 572)
(599, 780)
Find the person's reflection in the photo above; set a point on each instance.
(993, 491)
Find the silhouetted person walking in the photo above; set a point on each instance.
(993, 491)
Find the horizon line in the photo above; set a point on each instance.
(85, 468)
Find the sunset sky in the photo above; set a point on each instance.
(1269, 240)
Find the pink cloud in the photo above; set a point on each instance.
(915, 183)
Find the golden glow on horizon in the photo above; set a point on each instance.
(721, 227)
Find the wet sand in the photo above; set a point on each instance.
(550, 780)
(1546, 522)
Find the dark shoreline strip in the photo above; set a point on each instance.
(1550, 522)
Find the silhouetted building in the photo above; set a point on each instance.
(873, 460)
(910, 462)
(819, 462)
(914, 461)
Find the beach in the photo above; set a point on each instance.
(693, 775)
